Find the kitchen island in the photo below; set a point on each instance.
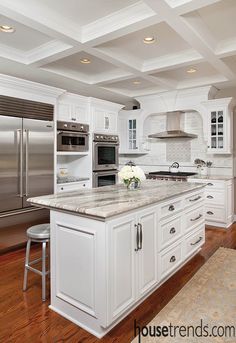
(112, 247)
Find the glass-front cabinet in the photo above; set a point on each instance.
(220, 125)
(132, 134)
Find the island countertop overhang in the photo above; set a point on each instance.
(106, 202)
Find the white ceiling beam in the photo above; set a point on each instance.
(184, 29)
(193, 5)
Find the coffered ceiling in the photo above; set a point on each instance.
(96, 48)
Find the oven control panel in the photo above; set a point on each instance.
(76, 127)
(105, 138)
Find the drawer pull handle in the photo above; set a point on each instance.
(195, 199)
(210, 197)
(137, 237)
(198, 217)
(172, 259)
(171, 208)
(210, 213)
(210, 184)
(172, 230)
(199, 240)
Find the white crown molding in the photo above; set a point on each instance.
(104, 104)
(13, 86)
(12, 54)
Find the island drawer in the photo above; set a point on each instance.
(194, 217)
(194, 241)
(170, 259)
(215, 197)
(170, 231)
(171, 208)
(215, 214)
(194, 199)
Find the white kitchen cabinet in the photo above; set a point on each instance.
(104, 121)
(73, 186)
(130, 132)
(132, 262)
(219, 201)
(219, 125)
(101, 270)
(72, 107)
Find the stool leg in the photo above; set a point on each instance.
(26, 264)
(44, 244)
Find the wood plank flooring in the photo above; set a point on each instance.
(25, 319)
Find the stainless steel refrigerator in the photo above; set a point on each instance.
(26, 161)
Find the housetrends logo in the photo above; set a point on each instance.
(202, 330)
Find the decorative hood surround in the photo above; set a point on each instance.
(187, 100)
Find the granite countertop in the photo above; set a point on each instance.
(105, 202)
(211, 177)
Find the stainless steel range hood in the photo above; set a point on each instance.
(173, 127)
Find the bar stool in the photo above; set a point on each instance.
(40, 234)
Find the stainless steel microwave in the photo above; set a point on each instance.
(73, 137)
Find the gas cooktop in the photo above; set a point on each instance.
(167, 173)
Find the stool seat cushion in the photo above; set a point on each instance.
(41, 231)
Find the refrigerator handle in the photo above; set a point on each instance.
(20, 177)
(26, 162)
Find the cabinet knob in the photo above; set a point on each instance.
(84, 185)
(172, 230)
(74, 119)
(171, 208)
(62, 188)
(172, 259)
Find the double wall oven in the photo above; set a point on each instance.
(105, 159)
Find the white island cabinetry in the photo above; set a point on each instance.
(105, 260)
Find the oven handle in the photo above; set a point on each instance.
(105, 143)
(69, 133)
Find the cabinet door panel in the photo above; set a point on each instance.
(81, 114)
(121, 267)
(148, 252)
(64, 111)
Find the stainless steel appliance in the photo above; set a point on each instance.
(26, 161)
(72, 136)
(105, 178)
(105, 152)
(167, 175)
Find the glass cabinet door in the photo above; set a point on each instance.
(217, 130)
(132, 138)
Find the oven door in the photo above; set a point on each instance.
(105, 156)
(105, 178)
(72, 141)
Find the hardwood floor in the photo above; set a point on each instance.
(14, 237)
(23, 317)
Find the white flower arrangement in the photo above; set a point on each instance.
(131, 173)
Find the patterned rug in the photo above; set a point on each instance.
(207, 302)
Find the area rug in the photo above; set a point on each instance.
(205, 308)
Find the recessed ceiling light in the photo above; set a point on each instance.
(7, 28)
(85, 60)
(191, 70)
(136, 82)
(149, 40)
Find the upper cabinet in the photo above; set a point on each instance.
(219, 126)
(130, 132)
(72, 107)
(104, 116)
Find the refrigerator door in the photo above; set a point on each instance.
(11, 163)
(38, 158)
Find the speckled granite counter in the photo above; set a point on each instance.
(211, 177)
(108, 201)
